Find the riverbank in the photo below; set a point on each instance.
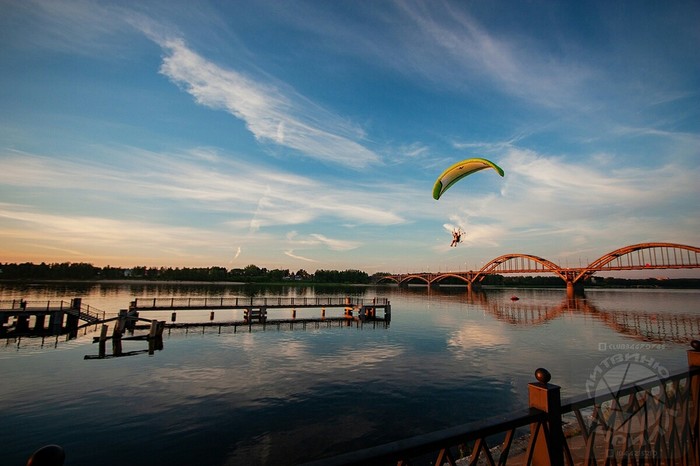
(623, 284)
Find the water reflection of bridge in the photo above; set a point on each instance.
(655, 327)
(642, 256)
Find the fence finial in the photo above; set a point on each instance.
(543, 376)
(50, 455)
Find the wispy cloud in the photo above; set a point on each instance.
(456, 44)
(291, 254)
(91, 236)
(257, 194)
(335, 244)
(272, 114)
(80, 27)
(195, 200)
(443, 42)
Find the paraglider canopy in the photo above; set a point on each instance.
(458, 171)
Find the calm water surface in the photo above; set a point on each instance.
(215, 397)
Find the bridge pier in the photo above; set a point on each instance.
(574, 289)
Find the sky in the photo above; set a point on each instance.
(309, 134)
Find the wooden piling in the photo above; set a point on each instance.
(102, 350)
(154, 329)
(39, 323)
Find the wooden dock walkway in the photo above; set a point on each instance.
(166, 304)
(29, 318)
(20, 317)
(356, 313)
(256, 308)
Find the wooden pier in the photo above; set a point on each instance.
(259, 310)
(356, 312)
(20, 318)
(41, 318)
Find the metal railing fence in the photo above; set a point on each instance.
(652, 422)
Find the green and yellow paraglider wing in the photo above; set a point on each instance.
(458, 171)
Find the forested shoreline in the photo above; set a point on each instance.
(78, 271)
(249, 274)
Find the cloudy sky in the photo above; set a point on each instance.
(308, 134)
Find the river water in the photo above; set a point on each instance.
(215, 396)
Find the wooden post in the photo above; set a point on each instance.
(117, 338)
(154, 329)
(547, 451)
(22, 324)
(72, 322)
(155, 336)
(103, 333)
(40, 322)
(132, 317)
(102, 340)
(56, 322)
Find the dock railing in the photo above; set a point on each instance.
(223, 302)
(76, 307)
(18, 304)
(653, 421)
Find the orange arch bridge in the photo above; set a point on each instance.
(635, 257)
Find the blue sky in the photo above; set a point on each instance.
(308, 134)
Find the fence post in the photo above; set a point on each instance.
(75, 304)
(548, 450)
(694, 363)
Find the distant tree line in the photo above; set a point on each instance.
(255, 274)
(248, 274)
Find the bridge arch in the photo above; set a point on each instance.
(519, 263)
(389, 278)
(408, 278)
(440, 277)
(644, 256)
